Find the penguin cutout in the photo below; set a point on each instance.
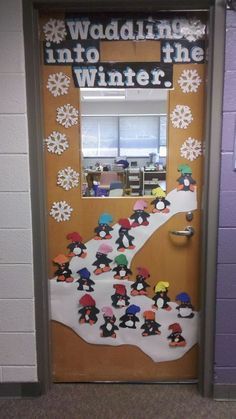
(129, 319)
(160, 202)
(176, 339)
(109, 327)
(103, 229)
(161, 298)
(63, 273)
(150, 326)
(185, 181)
(121, 270)
(102, 262)
(185, 307)
(89, 310)
(125, 240)
(140, 284)
(84, 281)
(140, 216)
(120, 298)
(76, 247)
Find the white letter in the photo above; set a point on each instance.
(142, 78)
(182, 54)
(197, 54)
(164, 30)
(111, 31)
(78, 50)
(85, 76)
(115, 78)
(176, 27)
(96, 31)
(50, 59)
(78, 29)
(127, 30)
(92, 55)
(156, 75)
(167, 50)
(129, 74)
(102, 81)
(64, 55)
(140, 34)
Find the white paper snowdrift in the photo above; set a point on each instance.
(65, 296)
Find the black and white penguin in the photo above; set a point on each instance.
(185, 307)
(161, 298)
(121, 270)
(140, 285)
(109, 327)
(102, 262)
(63, 273)
(84, 281)
(140, 216)
(176, 339)
(150, 326)
(185, 181)
(160, 202)
(120, 298)
(89, 311)
(129, 319)
(103, 230)
(76, 247)
(125, 240)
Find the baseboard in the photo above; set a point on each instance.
(19, 390)
(223, 392)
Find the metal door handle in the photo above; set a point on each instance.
(187, 232)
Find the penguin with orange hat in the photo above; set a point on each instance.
(103, 230)
(140, 216)
(109, 327)
(129, 319)
(160, 202)
(176, 338)
(161, 298)
(63, 273)
(89, 310)
(121, 270)
(150, 326)
(76, 247)
(102, 262)
(125, 240)
(84, 281)
(120, 298)
(140, 285)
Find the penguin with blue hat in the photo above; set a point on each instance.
(103, 230)
(185, 307)
(129, 319)
(84, 281)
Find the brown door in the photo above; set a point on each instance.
(123, 103)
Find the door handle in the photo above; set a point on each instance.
(187, 232)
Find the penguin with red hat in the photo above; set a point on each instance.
(89, 310)
(103, 230)
(140, 285)
(129, 319)
(76, 247)
(102, 262)
(140, 216)
(109, 327)
(150, 326)
(176, 338)
(120, 298)
(125, 240)
(84, 281)
(63, 273)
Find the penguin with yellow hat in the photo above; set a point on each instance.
(161, 298)
(160, 202)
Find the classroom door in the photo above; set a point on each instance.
(124, 253)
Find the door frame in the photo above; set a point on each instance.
(217, 9)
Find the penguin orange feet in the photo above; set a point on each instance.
(142, 292)
(71, 255)
(61, 278)
(108, 236)
(166, 210)
(144, 334)
(134, 224)
(131, 247)
(106, 269)
(84, 255)
(116, 276)
(145, 223)
(97, 238)
(180, 187)
(82, 321)
(98, 271)
(121, 249)
(157, 332)
(168, 308)
(91, 322)
(155, 307)
(70, 279)
(154, 210)
(114, 335)
(134, 293)
(192, 188)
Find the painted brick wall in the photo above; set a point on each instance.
(225, 356)
(17, 325)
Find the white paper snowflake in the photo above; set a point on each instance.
(58, 84)
(54, 30)
(189, 81)
(192, 29)
(61, 211)
(67, 115)
(191, 149)
(181, 116)
(67, 178)
(57, 143)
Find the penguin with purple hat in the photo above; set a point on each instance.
(84, 281)
(140, 216)
(185, 307)
(129, 319)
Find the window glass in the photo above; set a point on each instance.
(99, 136)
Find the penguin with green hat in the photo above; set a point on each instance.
(121, 270)
(185, 181)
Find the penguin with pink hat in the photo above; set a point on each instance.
(140, 216)
(102, 262)
(109, 327)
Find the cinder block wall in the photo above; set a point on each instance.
(17, 324)
(225, 358)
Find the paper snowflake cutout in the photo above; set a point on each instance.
(181, 116)
(68, 178)
(189, 81)
(61, 211)
(192, 29)
(67, 115)
(54, 31)
(191, 149)
(57, 143)
(58, 84)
